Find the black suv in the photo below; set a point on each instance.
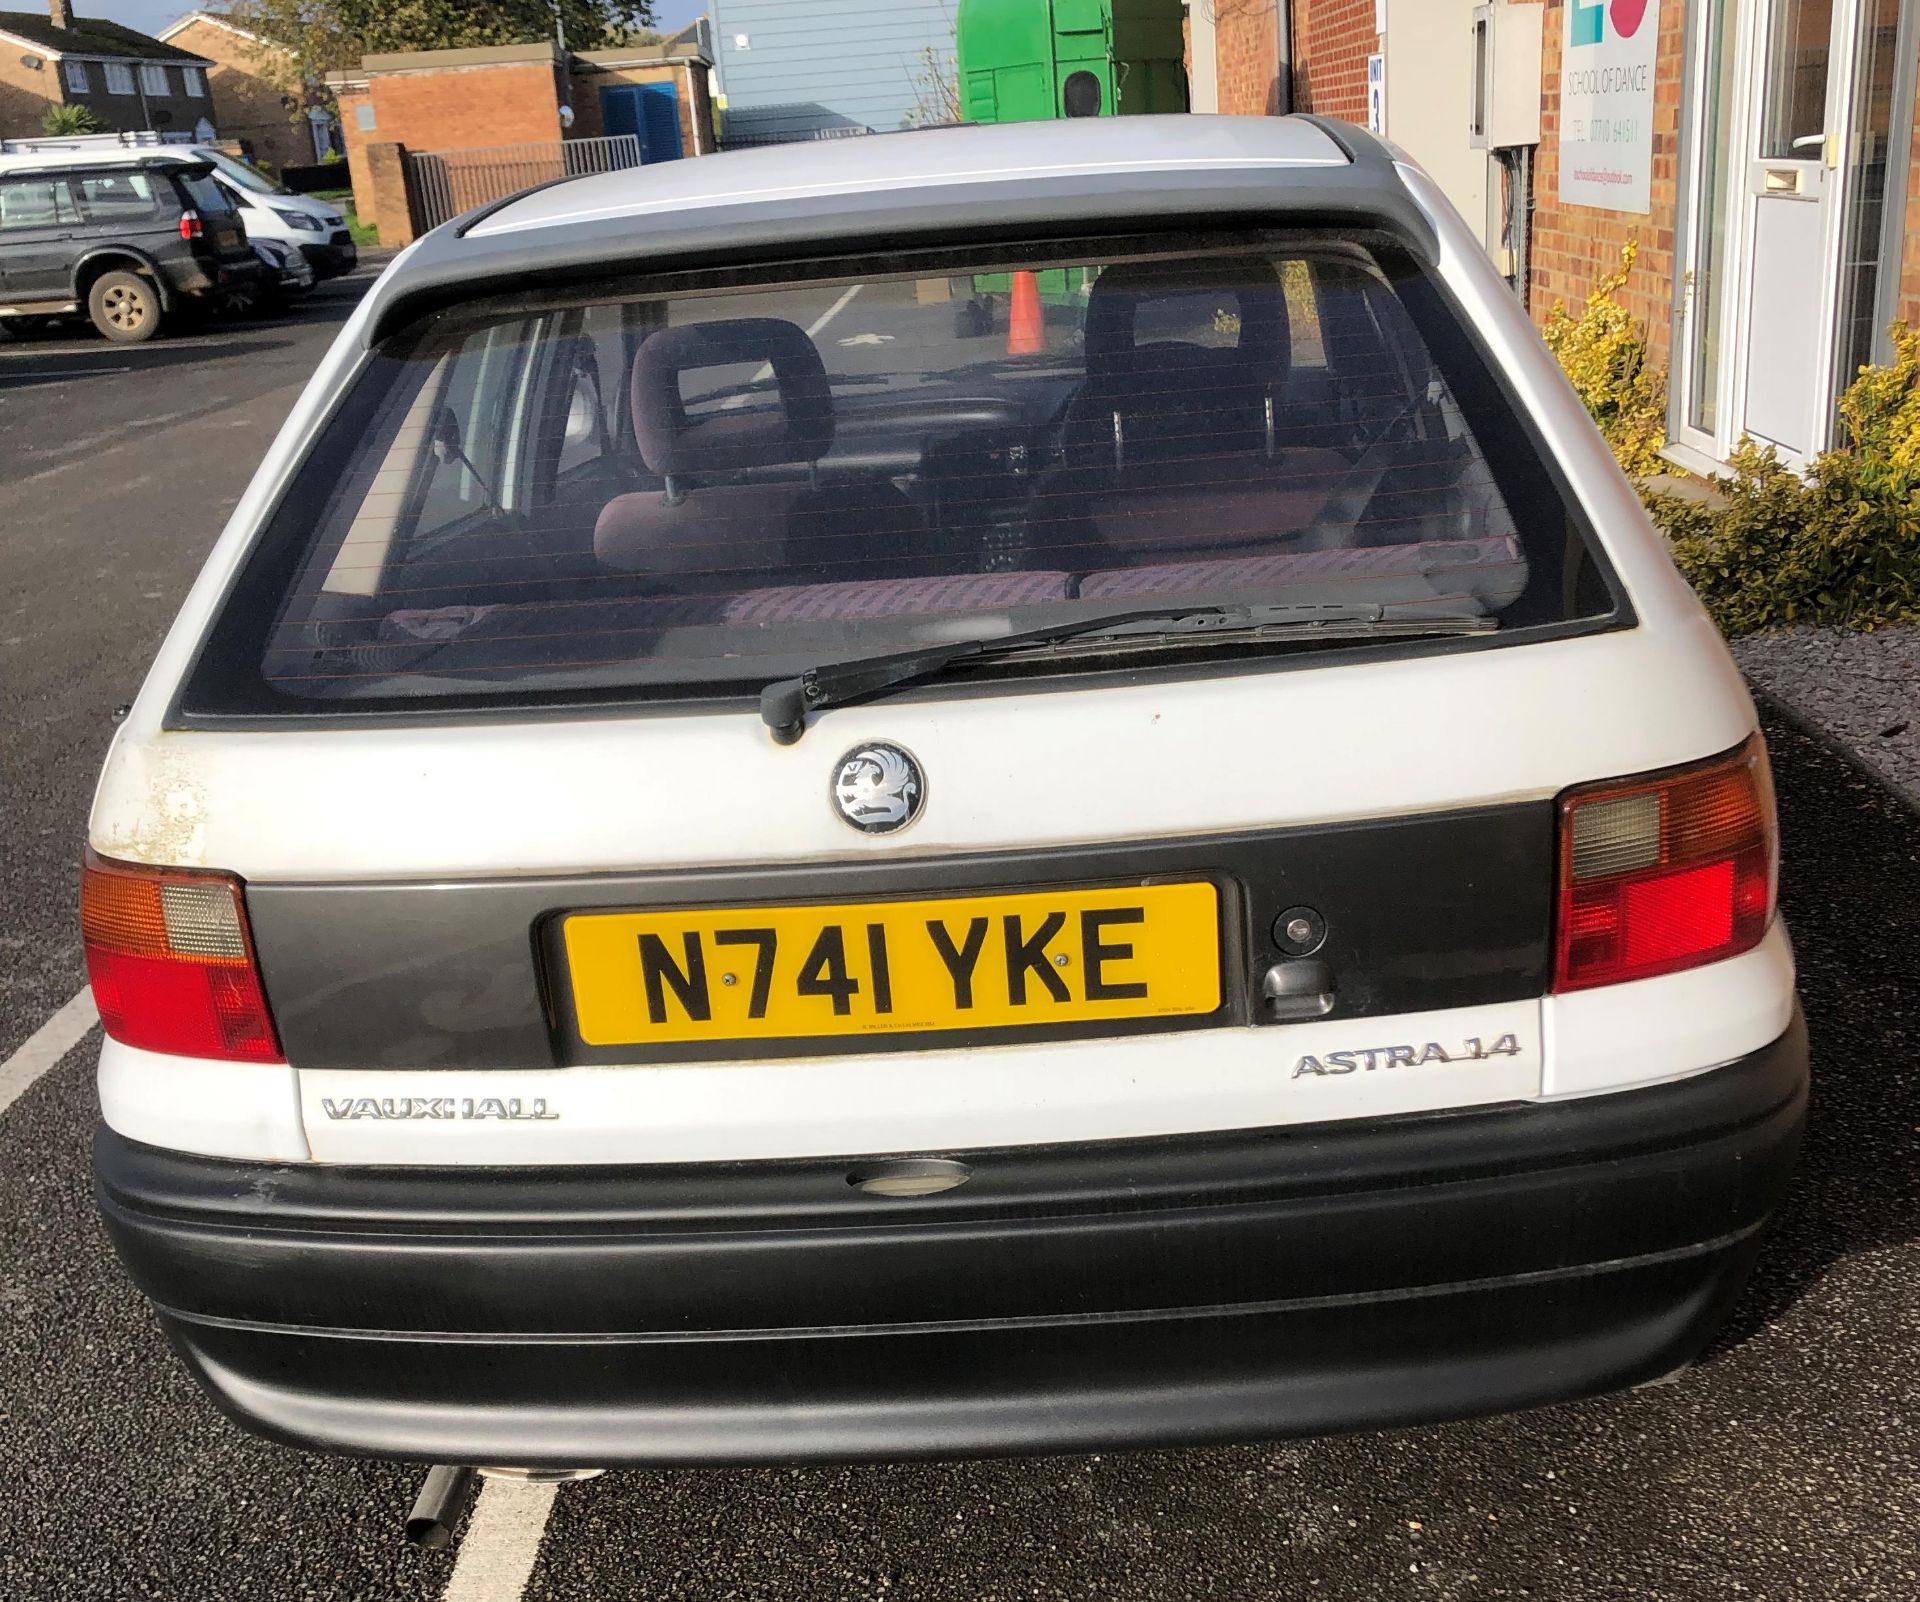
(131, 242)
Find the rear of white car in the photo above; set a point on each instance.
(724, 868)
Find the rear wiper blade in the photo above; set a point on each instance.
(785, 703)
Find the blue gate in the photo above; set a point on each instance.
(650, 112)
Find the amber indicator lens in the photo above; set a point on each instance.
(171, 962)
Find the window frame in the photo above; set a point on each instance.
(61, 186)
(193, 80)
(119, 76)
(151, 71)
(223, 687)
(76, 188)
(71, 69)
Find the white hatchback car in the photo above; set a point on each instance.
(1033, 789)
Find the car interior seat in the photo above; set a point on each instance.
(743, 496)
(1172, 448)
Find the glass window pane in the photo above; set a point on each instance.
(1719, 175)
(115, 196)
(684, 492)
(1793, 108)
(34, 203)
(1871, 157)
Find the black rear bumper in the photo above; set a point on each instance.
(1204, 1288)
(336, 257)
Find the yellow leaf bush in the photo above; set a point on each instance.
(1838, 544)
(1604, 352)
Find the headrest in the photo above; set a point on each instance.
(800, 429)
(1252, 283)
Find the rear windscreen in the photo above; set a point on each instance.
(204, 195)
(668, 491)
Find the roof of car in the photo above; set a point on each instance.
(997, 153)
(56, 165)
(922, 184)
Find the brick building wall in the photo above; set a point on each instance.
(25, 94)
(500, 95)
(252, 104)
(1245, 53)
(1331, 42)
(459, 107)
(1574, 245)
(349, 95)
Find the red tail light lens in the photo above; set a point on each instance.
(190, 225)
(1666, 872)
(170, 958)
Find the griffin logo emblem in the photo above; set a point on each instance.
(878, 788)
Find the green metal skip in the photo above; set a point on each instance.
(1029, 60)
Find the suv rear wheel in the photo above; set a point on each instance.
(125, 307)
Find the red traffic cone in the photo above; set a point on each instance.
(1026, 323)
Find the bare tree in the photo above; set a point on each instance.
(936, 89)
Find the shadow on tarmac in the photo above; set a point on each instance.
(1850, 891)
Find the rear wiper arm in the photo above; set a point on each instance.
(785, 703)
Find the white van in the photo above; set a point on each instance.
(268, 210)
(719, 869)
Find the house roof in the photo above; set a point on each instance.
(94, 37)
(217, 20)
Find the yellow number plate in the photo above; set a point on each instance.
(894, 967)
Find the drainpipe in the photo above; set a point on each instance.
(693, 106)
(1283, 56)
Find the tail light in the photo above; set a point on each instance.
(191, 226)
(1666, 871)
(171, 961)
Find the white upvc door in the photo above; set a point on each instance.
(1792, 181)
(1793, 186)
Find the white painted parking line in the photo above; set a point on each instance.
(832, 312)
(61, 372)
(501, 1541)
(75, 451)
(46, 1046)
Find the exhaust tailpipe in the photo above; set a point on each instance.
(438, 1508)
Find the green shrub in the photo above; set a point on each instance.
(63, 122)
(1840, 544)
(1604, 352)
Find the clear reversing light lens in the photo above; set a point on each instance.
(1667, 871)
(171, 962)
(1616, 836)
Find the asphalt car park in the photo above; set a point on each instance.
(1782, 1466)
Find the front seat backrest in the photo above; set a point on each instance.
(1174, 400)
(694, 532)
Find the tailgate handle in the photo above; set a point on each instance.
(1301, 987)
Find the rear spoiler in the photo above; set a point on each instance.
(453, 264)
